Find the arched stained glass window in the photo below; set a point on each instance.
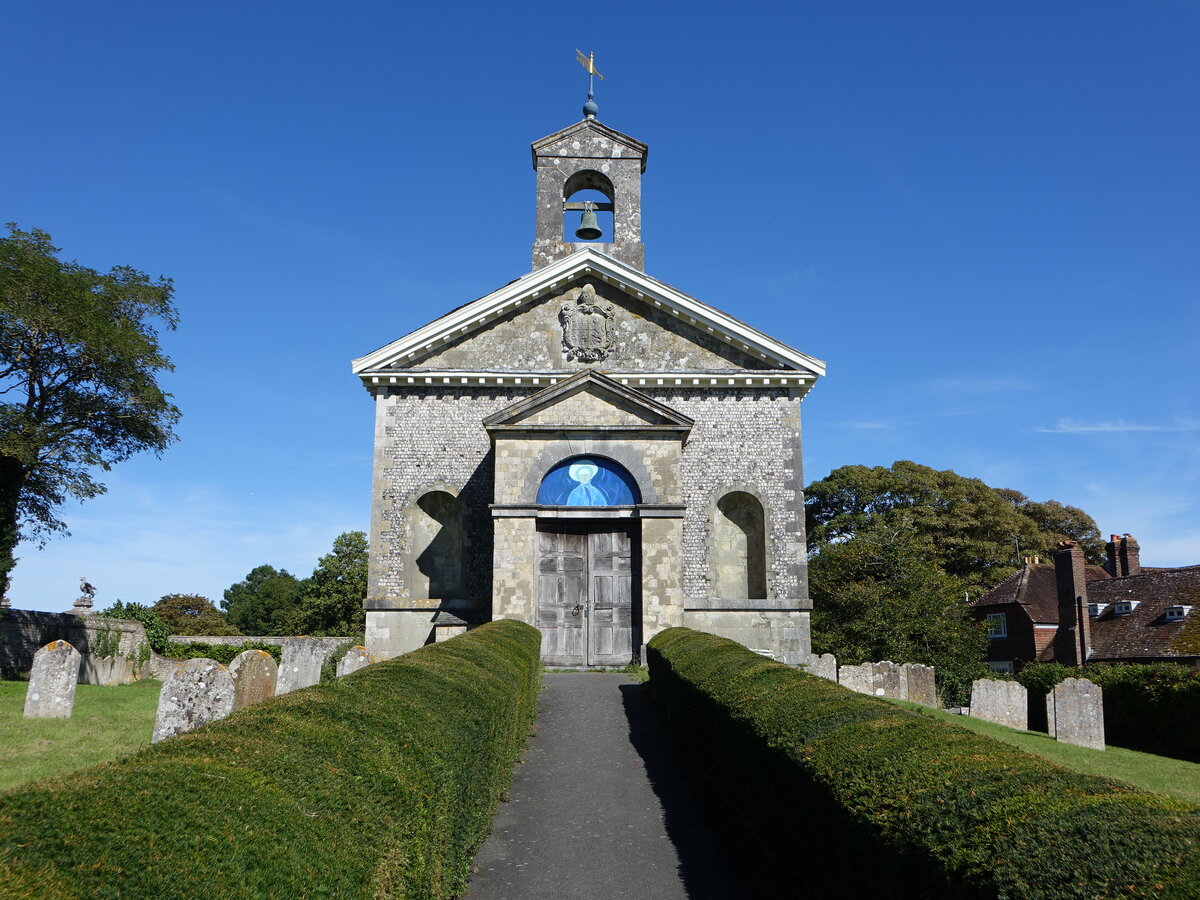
(588, 481)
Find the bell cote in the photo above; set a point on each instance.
(593, 171)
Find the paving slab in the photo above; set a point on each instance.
(598, 808)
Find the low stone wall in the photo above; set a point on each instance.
(115, 651)
(237, 640)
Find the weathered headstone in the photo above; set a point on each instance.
(51, 691)
(356, 658)
(197, 692)
(1075, 713)
(887, 680)
(823, 666)
(999, 701)
(859, 679)
(300, 663)
(921, 684)
(254, 675)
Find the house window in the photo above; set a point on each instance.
(1175, 613)
(1005, 666)
(997, 625)
(1125, 607)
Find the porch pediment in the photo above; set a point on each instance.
(589, 401)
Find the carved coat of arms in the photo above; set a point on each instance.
(587, 322)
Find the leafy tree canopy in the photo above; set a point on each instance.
(969, 530)
(192, 614)
(333, 598)
(157, 631)
(880, 595)
(79, 359)
(264, 602)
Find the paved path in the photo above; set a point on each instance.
(597, 810)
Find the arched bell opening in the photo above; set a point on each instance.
(588, 208)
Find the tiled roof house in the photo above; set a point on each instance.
(1074, 613)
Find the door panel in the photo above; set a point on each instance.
(610, 567)
(562, 597)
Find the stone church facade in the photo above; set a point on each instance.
(588, 449)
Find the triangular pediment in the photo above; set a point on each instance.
(589, 399)
(589, 139)
(521, 328)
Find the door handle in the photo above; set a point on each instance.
(577, 610)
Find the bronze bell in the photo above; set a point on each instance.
(588, 230)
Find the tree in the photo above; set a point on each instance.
(970, 530)
(333, 600)
(79, 357)
(192, 614)
(879, 595)
(264, 602)
(157, 631)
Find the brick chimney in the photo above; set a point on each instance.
(1074, 638)
(1130, 555)
(1113, 553)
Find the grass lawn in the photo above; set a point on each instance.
(108, 722)
(1159, 774)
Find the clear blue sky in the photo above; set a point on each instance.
(982, 216)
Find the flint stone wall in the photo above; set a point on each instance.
(1075, 713)
(301, 661)
(999, 701)
(254, 675)
(52, 680)
(197, 692)
(24, 631)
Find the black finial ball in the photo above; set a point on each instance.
(590, 109)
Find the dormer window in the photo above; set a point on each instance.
(1125, 607)
(1094, 609)
(1175, 613)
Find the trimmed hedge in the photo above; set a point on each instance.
(222, 653)
(1151, 707)
(381, 784)
(861, 797)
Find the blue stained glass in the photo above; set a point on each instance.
(588, 481)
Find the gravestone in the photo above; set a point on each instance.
(356, 658)
(1075, 713)
(920, 684)
(823, 666)
(254, 675)
(887, 680)
(51, 691)
(300, 663)
(999, 701)
(857, 678)
(197, 692)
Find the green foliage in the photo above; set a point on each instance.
(1154, 708)
(333, 596)
(381, 784)
(969, 529)
(222, 653)
(900, 804)
(157, 631)
(879, 596)
(264, 602)
(192, 614)
(79, 359)
(106, 645)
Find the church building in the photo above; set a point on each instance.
(588, 449)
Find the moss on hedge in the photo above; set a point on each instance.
(381, 784)
(860, 796)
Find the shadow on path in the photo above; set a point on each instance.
(717, 857)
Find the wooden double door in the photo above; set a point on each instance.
(587, 595)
